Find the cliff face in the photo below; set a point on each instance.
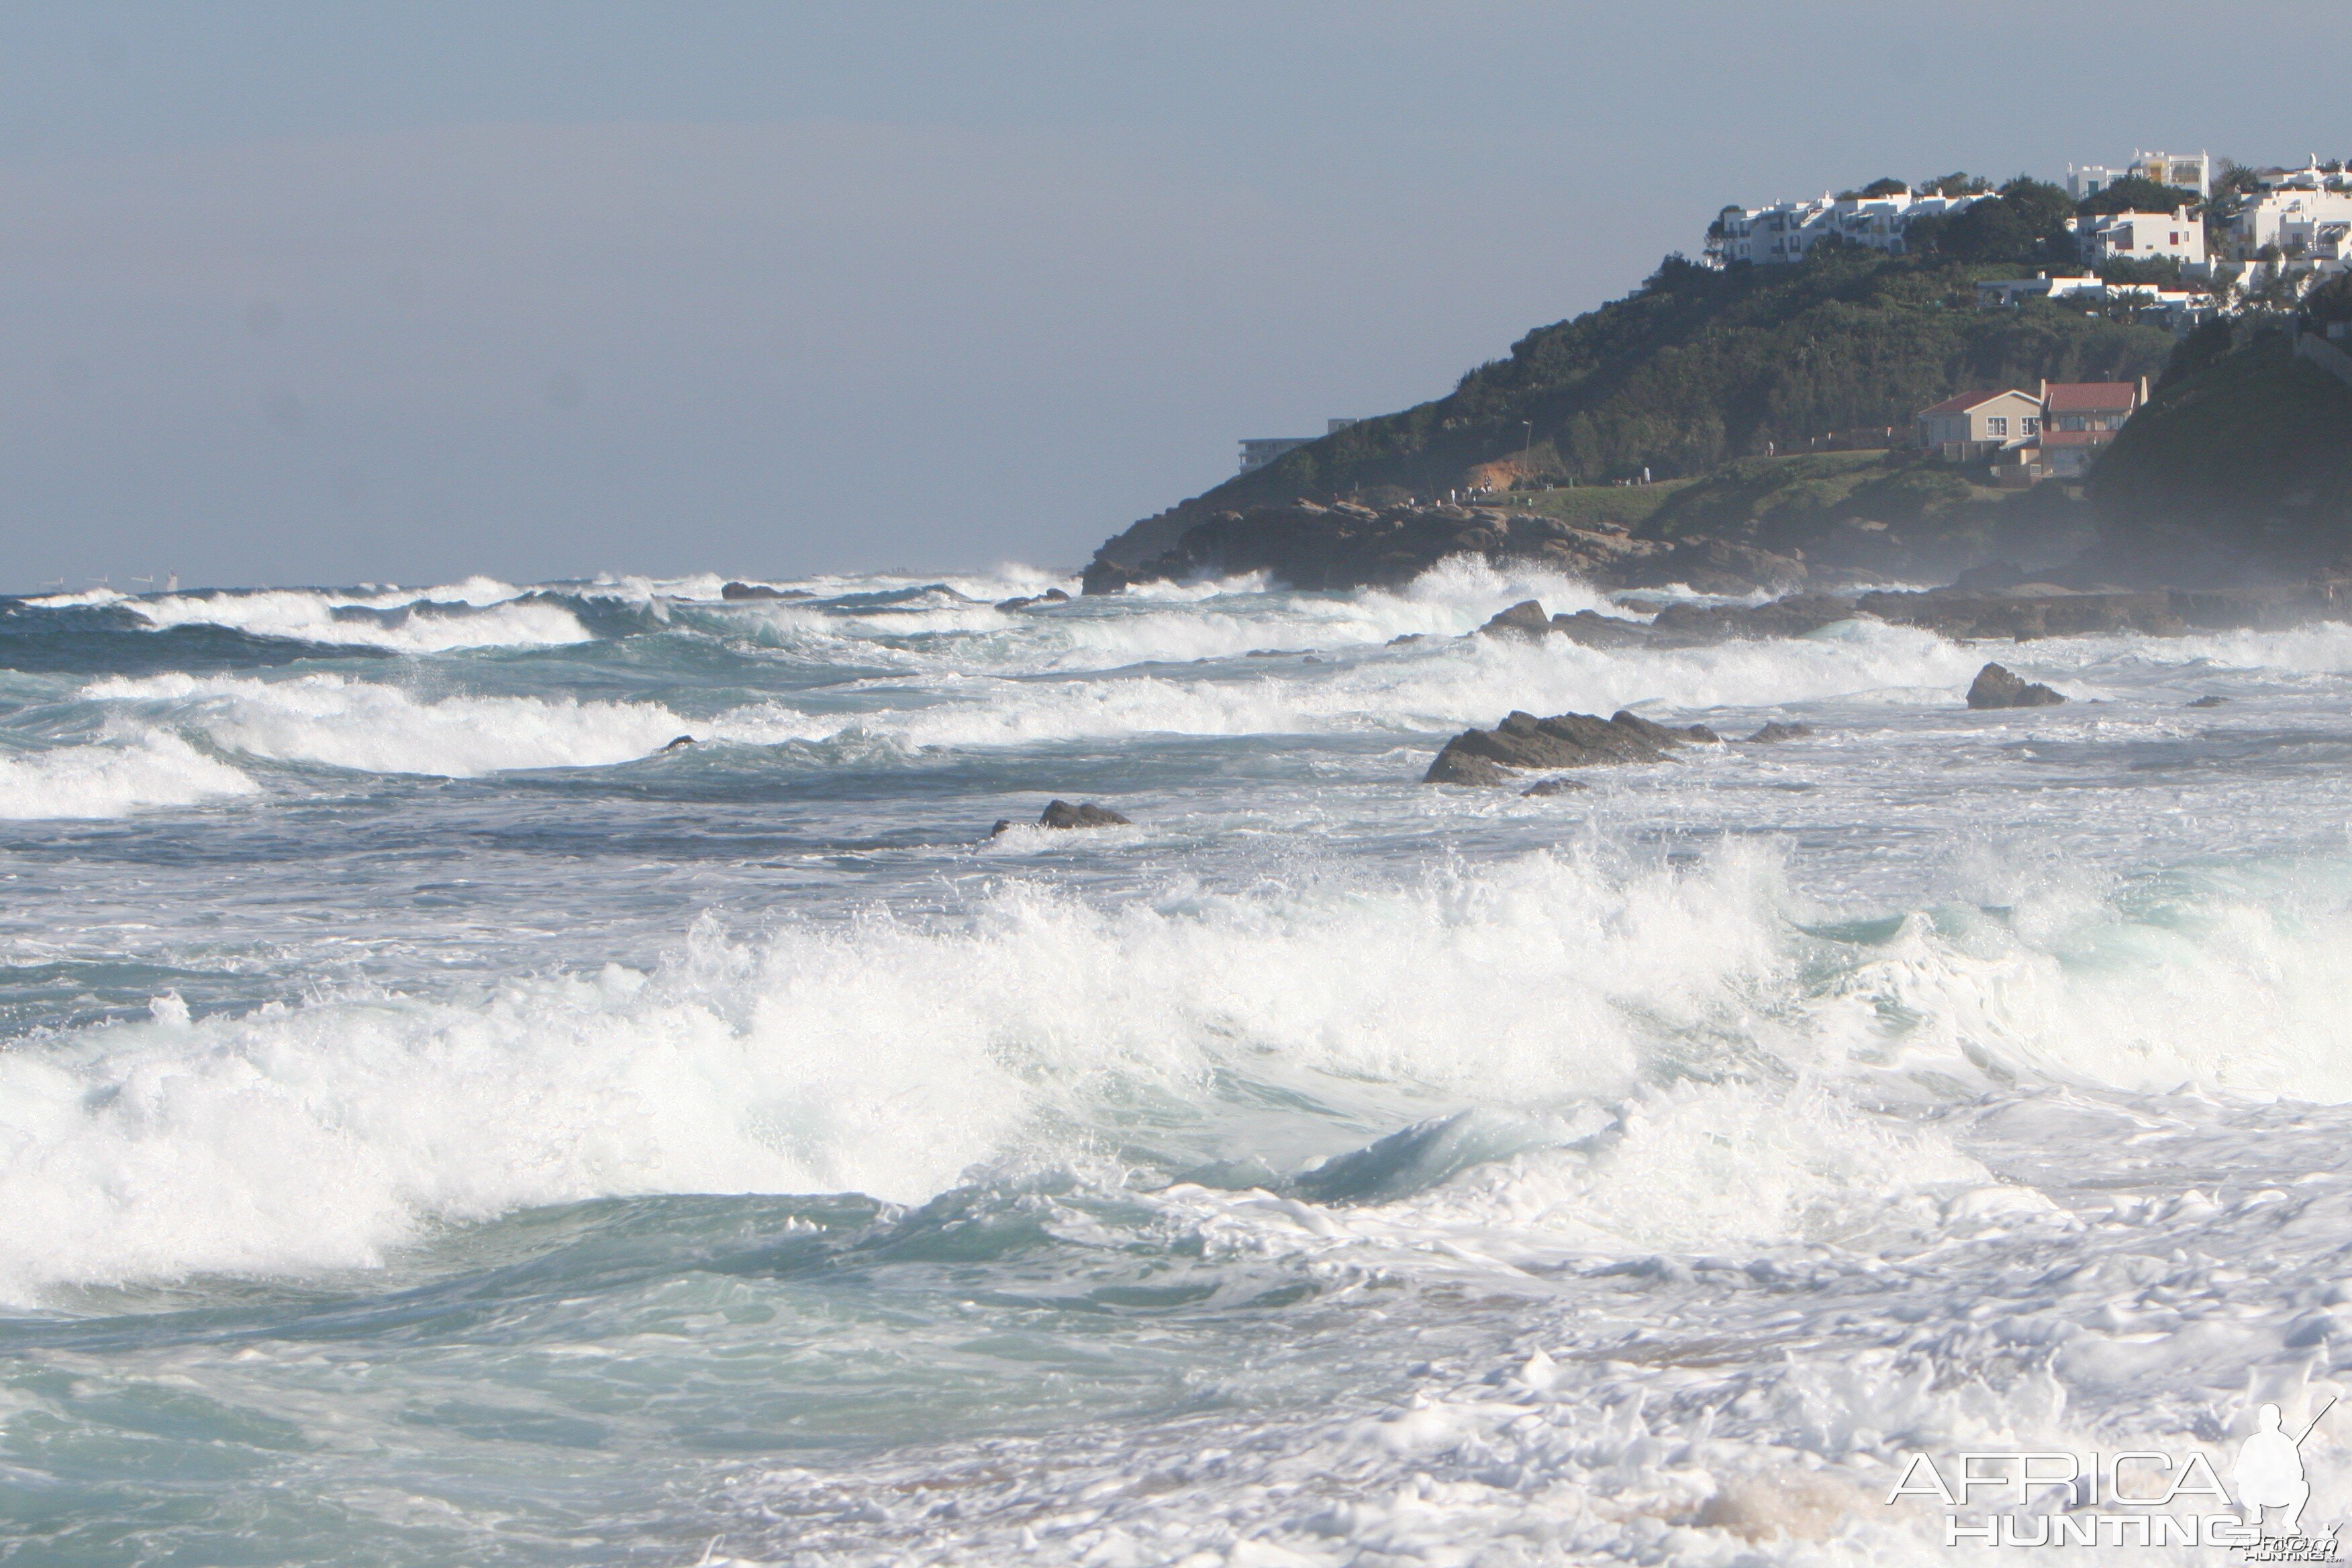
(2240, 470)
(1696, 369)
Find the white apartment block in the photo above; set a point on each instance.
(2142, 236)
(2192, 171)
(2310, 225)
(1785, 231)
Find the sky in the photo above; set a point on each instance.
(364, 293)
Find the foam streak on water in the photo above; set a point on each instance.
(443, 1121)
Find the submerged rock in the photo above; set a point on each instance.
(761, 591)
(1482, 757)
(1555, 787)
(1776, 730)
(679, 743)
(1997, 688)
(2209, 701)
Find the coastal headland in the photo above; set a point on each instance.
(1767, 433)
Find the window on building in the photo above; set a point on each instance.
(1997, 424)
(2033, 425)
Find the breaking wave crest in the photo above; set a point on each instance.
(377, 727)
(1662, 1047)
(113, 778)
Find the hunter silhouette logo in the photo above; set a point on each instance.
(2269, 1471)
(2138, 1497)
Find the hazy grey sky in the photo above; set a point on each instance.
(341, 291)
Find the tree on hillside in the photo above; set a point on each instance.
(2025, 223)
(1956, 183)
(2133, 194)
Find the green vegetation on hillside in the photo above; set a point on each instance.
(1861, 511)
(2244, 454)
(1696, 369)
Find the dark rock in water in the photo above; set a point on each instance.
(1594, 629)
(2026, 611)
(761, 591)
(681, 742)
(1997, 688)
(1776, 730)
(1555, 787)
(1109, 577)
(1062, 814)
(1792, 615)
(1524, 619)
(2209, 701)
(1406, 638)
(1459, 767)
(1563, 741)
(1025, 601)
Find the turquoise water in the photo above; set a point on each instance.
(440, 1124)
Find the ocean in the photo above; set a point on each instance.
(441, 1121)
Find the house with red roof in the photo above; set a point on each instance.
(1976, 423)
(2080, 417)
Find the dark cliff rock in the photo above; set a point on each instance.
(1344, 545)
(1998, 688)
(1564, 740)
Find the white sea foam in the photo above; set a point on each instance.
(893, 1057)
(379, 728)
(885, 1059)
(1438, 688)
(479, 612)
(113, 778)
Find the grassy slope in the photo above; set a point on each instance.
(1698, 368)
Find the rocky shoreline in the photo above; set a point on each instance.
(1341, 546)
(1346, 545)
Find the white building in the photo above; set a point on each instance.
(2307, 222)
(1785, 231)
(2142, 236)
(2192, 171)
(2178, 309)
(1995, 292)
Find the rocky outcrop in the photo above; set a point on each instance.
(1062, 814)
(2028, 611)
(1524, 619)
(1023, 602)
(738, 591)
(1344, 545)
(1995, 686)
(1775, 731)
(1485, 757)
